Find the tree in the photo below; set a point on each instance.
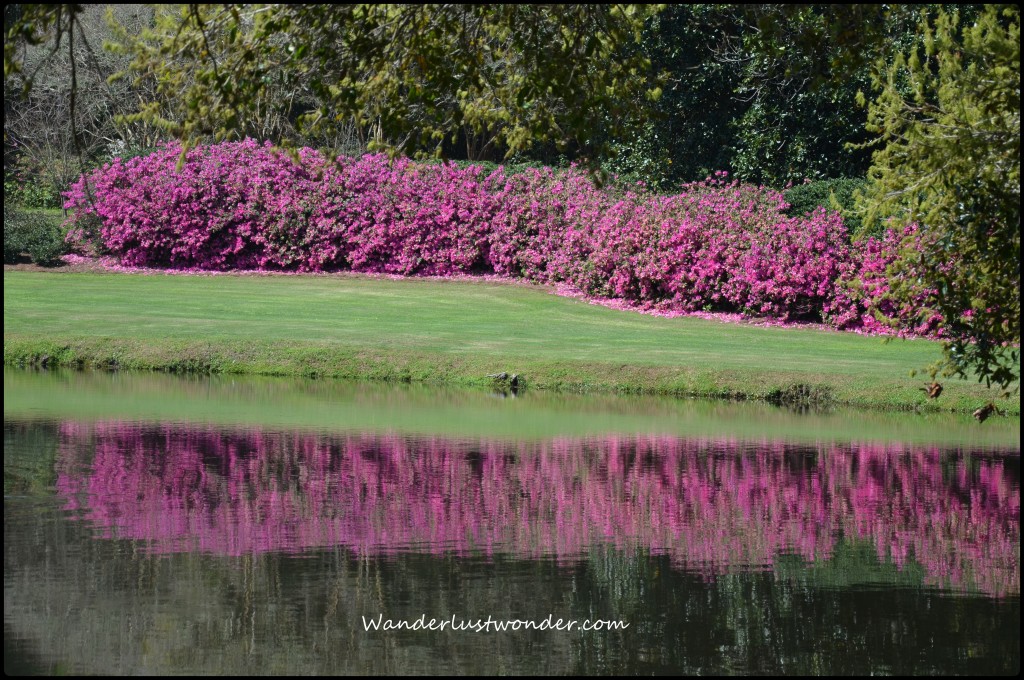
(54, 122)
(767, 92)
(408, 78)
(501, 77)
(947, 120)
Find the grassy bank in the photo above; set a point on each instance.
(445, 332)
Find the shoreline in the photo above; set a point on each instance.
(436, 332)
(322, 361)
(242, 402)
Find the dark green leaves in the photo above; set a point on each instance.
(948, 119)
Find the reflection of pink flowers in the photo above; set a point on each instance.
(716, 246)
(710, 505)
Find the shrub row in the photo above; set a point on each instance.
(717, 245)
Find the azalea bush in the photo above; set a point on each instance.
(864, 298)
(716, 245)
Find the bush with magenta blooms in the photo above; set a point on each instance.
(716, 245)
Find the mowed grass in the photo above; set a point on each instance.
(445, 332)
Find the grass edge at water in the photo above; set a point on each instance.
(324, 360)
(450, 333)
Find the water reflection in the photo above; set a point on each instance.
(709, 506)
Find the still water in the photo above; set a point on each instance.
(216, 525)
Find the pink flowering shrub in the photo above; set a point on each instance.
(863, 298)
(717, 245)
(242, 206)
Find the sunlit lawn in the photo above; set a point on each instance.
(508, 327)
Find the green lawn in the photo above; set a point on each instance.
(441, 331)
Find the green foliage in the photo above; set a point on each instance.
(30, 193)
(502, 77)
(37, 233)
(833, 194)
(948, 124)
(13, 242)
(514, 167)
(801, 68)
(767, 92)
(688, 135)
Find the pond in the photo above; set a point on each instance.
(155, 525)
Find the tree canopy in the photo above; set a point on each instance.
(417, 77)
(947, 120)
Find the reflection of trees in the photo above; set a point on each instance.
(710, 506)
(108, 606)
(29, 452)
(790, 623)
